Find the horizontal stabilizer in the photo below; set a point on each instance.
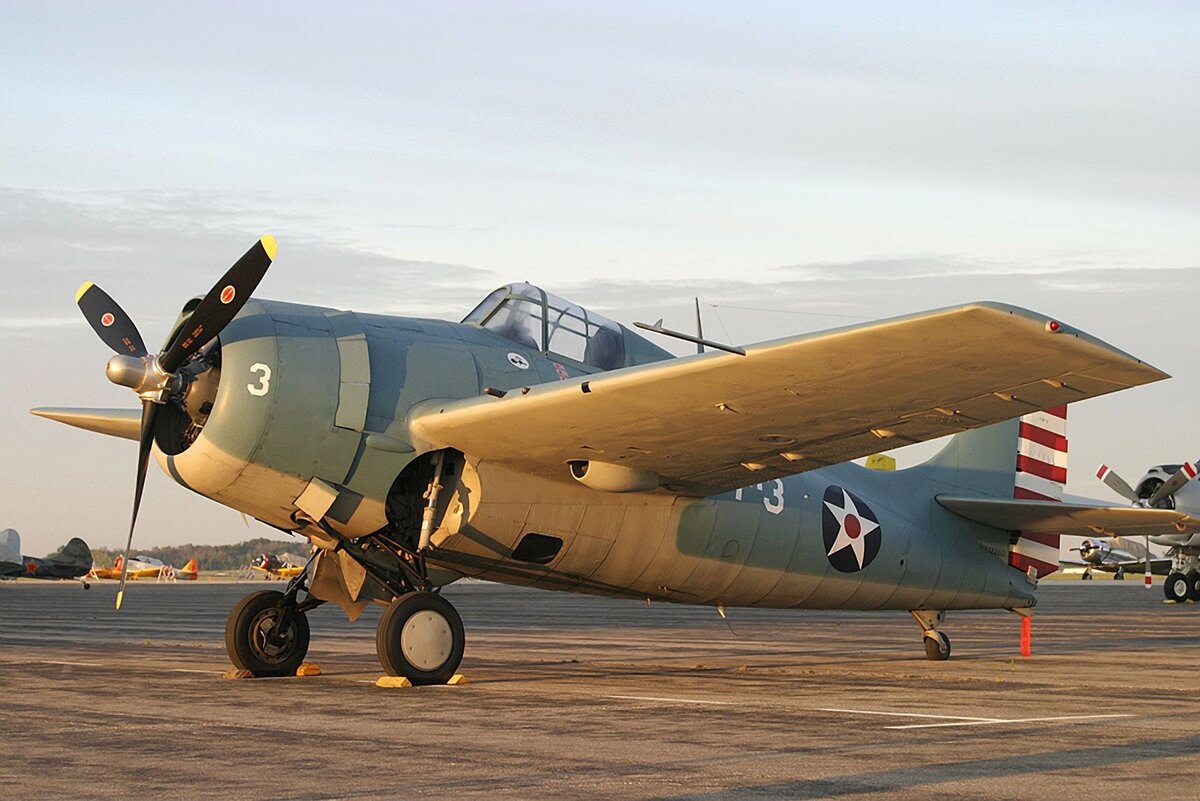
(1072, 519)
(123, 423)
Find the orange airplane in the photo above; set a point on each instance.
(277, 566)
(147, 567)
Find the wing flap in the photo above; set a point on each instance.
(1072, 519)
(719, 421)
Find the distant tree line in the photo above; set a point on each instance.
(210, 557)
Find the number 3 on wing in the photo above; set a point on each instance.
(264, 379)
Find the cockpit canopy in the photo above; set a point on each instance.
(534, 318)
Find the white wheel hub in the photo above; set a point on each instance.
(426, 640)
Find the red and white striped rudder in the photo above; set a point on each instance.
(1041, 475)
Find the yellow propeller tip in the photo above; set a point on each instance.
(120, 597)
(268, 243)
(83, 288)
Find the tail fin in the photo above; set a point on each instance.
(191, 569)
(10, 546)
(1025, 459)
(75, 553)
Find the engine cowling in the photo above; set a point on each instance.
(1094, 551)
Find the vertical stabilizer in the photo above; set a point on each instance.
(1024, 459)
(75, 553)
(10, 546)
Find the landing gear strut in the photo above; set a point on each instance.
(267, 632)
(937, 644)
(420, 637)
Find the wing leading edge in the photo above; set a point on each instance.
(718, 421)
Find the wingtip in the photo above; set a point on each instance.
(268, 243)
(83, 288)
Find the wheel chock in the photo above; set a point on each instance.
(308, 669)
(237, 673)
(393, 681)
(400, 681)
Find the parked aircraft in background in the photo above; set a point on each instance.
(1168, 487)
(1116, 555)
(541, 444)
(147, 567)
(278, 566)
(72, 562)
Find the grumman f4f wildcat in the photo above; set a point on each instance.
(540, 444)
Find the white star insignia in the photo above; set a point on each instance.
(848, 538)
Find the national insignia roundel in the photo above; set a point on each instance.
(851, 530)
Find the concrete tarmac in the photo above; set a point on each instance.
(589, 698)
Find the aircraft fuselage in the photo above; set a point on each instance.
(309, 394)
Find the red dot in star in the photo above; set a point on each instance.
(852, 526)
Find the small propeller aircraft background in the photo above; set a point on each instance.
(278, 566)
(1171, 488)
(73, 561)
(541, 444)
(147, 567)
(1116, 555)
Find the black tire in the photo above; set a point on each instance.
(248, 630)
(1087, 575)
(420, 637)
(1193, 580)
(1176, 587)
(937, 648)
(1119, 575)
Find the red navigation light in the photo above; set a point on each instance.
(1054, 326)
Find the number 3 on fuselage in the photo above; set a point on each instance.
(772, 499)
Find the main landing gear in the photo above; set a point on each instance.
(267, 632)
(420, 637)
(1181, 586)
(420, 634)
(937, 644)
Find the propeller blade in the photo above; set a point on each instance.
(1169, 487)
(221, 304)
(109, 320)
(145, 442)
(1116, 483)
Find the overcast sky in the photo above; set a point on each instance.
(833, 161)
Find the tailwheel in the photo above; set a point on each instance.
(420, 637)
(267, 634)
(937, 648)
(1176, 587)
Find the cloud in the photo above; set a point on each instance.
(25, 323)
(153, 250)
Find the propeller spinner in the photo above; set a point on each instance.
(158, 379)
